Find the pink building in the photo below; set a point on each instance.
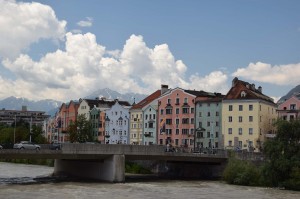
(289, 109)
(176, 109)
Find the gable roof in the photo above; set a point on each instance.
(105, 103)
(147, 100)
(239, 86)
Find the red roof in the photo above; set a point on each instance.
(147, 100)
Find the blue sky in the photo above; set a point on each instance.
(67, 49)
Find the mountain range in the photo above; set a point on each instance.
(51, 106)
(292, 92)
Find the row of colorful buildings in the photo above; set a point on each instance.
(241, 119)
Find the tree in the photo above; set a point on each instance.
(80, 130)
(282, 168)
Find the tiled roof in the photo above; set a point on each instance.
(105, 103)
(249, 89)
(147, 100)
(197, 93)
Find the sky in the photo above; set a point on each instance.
(65, 50)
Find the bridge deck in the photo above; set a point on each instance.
(101, 151)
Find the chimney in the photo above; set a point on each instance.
(260, 89)
(164, 88)
(234, 81)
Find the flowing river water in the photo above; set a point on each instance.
(32, 182)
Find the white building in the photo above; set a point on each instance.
(117, 123)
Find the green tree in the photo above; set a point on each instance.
(282, 168)
(80, 130)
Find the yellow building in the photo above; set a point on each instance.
(247, 117)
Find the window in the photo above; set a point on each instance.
(200, 124)
(185, 131)
(229, 130)
(230, 143)
(185, 110)
(293, 107)
(200, 114)
(230, 119)
(217, 134)
(217, 123)
(250, 131)
(240, 131)
(240, 119)
(186, 100)
(230, 108)
(250, 118)
(185, 120)
(208, 124)
(208, 134)
(240, 144)
(168, 111)
(177, 131)
(192, 110)
(177, 121)
(192, 120)
(177, 110)
(240, 107)
(154, 116)
(250, 107)
(146, 116)
(168, 121)
(208, 114)
(161, 111)
(177, 101)
(169, 101)
(169, 131)
(217, 113)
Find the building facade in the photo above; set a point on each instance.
(117, 123)
(208, 117)
(176, 109)
(247, 117)
(290, 108)
(141, 123)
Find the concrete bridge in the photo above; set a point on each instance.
(107, 162)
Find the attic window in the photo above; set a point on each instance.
(243, 94)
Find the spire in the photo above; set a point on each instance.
(133, 101)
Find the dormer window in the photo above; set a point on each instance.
(243, 94)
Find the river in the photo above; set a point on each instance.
(19, 181)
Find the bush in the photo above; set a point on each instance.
(136, 168)
(241, 173)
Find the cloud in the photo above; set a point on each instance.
(85, 66)
(280, 75)
(87, 23)
(25, 23)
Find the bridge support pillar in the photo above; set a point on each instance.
(111, 169)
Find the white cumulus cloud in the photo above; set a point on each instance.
(279, 74)
(25, 23)
(85, 66)
(86, 23)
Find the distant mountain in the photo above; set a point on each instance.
(14, 103)
(51, 106)
(110, 94)
(295, 90)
